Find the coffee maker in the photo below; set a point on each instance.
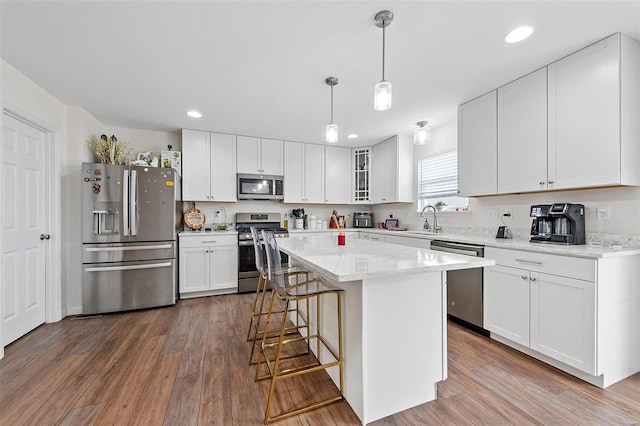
(559, 223)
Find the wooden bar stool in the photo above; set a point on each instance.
(291, 292)
(255, 333)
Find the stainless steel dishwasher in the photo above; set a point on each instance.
(464, 287)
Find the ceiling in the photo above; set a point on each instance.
(259, 67)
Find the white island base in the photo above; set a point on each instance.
(394, 342)
(394, 318)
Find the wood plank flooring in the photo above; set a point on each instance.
(187, 365)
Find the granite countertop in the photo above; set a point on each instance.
(188, 233)
(584, 250)
(361, 259)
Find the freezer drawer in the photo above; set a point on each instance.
(128, 252)
(123, 286)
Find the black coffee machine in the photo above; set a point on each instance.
(559, 223)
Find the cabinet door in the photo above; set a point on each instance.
(584, 117)
(223, 167)
(249, 155)
(391, 170)
(293, 172)
(477, 146)
(408, 241)
(337, 175)
(196, 165)
(563, 320)
(361, 175)
(194, 269)
(314, 174)
(224, 267)
(522, 134)
(272, 157)
(506, 303)
(377, 173)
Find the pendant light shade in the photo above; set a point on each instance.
(382, 90)
(332, 128)
(422, 134)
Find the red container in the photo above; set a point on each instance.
(341, 240)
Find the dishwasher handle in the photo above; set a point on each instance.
(458, 248)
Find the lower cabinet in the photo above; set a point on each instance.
(551, 314)
(208, 265)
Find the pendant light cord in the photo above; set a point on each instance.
(383, 45)
(331, 104)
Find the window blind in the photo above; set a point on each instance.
(438, 176)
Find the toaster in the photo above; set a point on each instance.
(363, 220)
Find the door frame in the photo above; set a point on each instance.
(53, 221)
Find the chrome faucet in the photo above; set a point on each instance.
(427, 226)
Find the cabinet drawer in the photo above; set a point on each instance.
(210, 240)
(565, 266)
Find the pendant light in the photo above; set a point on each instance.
(422, 134)
(382, 90)
(332, 128)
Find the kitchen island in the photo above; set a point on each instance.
(394, 317)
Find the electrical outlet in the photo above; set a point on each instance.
(493, 213)
(602, 214)
(507, 212)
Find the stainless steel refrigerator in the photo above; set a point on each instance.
(130, 219)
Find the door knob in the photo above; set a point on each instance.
(45, 236)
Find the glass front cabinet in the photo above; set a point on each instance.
(362, 181)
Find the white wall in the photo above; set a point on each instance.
(624, 204)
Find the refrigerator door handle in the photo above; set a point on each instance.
(154, 247)
(134, 202)
(127, 268)
(125, 203)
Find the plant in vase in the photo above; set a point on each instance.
(440, 205)
(109, 149)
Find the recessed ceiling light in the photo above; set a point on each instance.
(518, 34)
(194, 114)
(352, 136)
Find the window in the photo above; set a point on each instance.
(438, 183)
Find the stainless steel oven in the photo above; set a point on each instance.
(247, 271)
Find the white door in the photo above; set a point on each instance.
(314, 174)
(272, 157)
(196, 165)
(391, 194)
(249, 155)
(223, 267)
(23, 213)
(223, 168)
(337, 188)
(293, 172)
(378, 173)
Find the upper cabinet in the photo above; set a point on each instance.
(362, 176)
(572, 124)
(209, 166)
(392, 171)
(593, 116)
(477, 146)
(304, 173)
(337, 176)
(522, 134)
(260, 156)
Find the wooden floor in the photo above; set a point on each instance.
(187, 365)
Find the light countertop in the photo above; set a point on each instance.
(201, 233)
(584, 250)
(361, 259)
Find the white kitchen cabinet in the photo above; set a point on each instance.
(563, 320)
(407, 241)
(477, 146)
(506, 303)
(208, 265)
(303, 173)
(392, 171)
(260, 156)
(577, 314)
(337, 184)
(209, 166)
(362, 175)
(593, 116)
(522, 134)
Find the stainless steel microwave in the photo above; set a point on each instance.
(257, 187)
